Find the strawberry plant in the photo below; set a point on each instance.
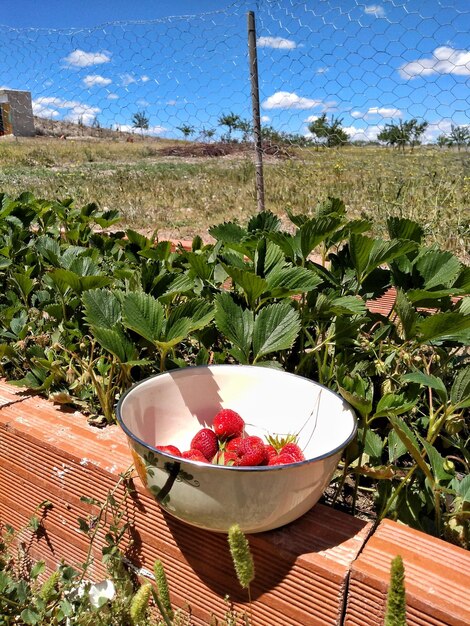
(84, 312)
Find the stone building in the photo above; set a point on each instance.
(16, 113)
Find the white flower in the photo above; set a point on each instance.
(101, 593)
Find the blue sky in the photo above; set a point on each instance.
(370, 63)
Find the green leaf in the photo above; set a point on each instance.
(116, 342)
(200, 265)
(412, 444)
(228, 232)
(180, 284)
(143, 314)
(464, 306)
(460, 391)
(463, 488)
(436, 461)
(102, 308)
(93, 282)
(49, 248)
(406, 314)
(287, 281)
(313, 232)
(396, 447)
(265, 221)
(197, 311)
(175, 332)
(30, 616)
(394, 404)
(427, 380)
(373, 445)
(65, 279)
(253, 286)
(287, 243)
(37, 569)
(403, 228)
(347, 305)
(235, 323)
(368, 254)
(24, 282)
(138, 239)
(357, 391)
(449, 326)
(438, 269)
(272, 258)
(276, 328)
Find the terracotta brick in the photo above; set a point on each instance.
(46, 453)
(437, 579)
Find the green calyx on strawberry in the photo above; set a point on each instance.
(279, 441)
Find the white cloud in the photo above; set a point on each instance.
(145, 78)
(172, 103)
(72, 110)
(127, 79)
(289, 100)
(82, 113)
(321, 70)
(112, 96)
(444, 60)
(143, 103)
(95, 79)
(276, 42)
(41, 110)
(362, 134)
(311, 118)
(151, 130)
(384, 112)
(79, 58)
(265, 118)
(374, 9)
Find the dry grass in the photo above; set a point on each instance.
(184, 195)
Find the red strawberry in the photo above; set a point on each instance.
(228, 424)
(252, 452)
(194, 455)
(225, 457)
(294, 450)
(282, 459)
(270, 451)
(169, 450)
(206, 442)
(234, 445)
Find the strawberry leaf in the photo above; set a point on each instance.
(276, 328)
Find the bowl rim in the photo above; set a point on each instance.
(209, 465)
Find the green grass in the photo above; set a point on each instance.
(184, 197)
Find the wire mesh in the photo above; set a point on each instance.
(346, 88)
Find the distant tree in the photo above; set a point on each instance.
(330, 133)
(207, 134)
(245, 127)
(187, 130)
(403, 133)
(231, 120)
(443, 141)
(95, 123)
(140, 120)
(459, 136)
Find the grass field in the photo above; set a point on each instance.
(182, 197)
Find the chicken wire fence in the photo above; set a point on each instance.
(332, 73)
